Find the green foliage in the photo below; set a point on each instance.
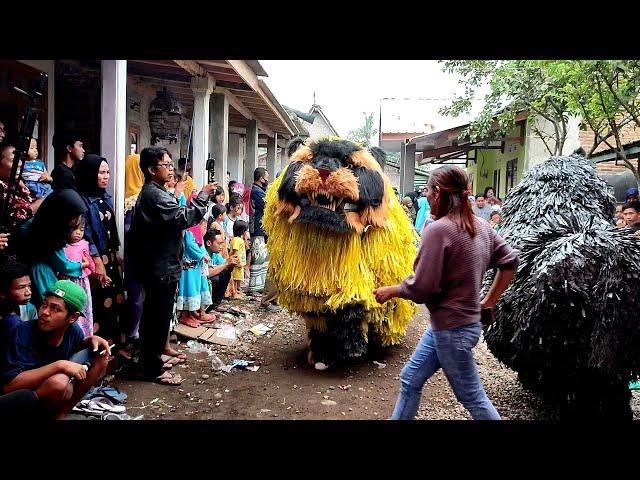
(515, 86)
(365, 133)
(605, 94)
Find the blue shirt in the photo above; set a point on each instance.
(29, 349)
(217, 259)
(424, 214)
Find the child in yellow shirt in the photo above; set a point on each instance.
(238, 247)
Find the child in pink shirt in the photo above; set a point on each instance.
(77, 250)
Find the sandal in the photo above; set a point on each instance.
(238, 311)
(171, 359)
(168, 379)
(207, 318)
(189, 322)
(104, 404)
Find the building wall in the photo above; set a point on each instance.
(537, 153)
(393, 174)
(318, 128)
(490, 161)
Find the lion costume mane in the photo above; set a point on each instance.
(337, 232)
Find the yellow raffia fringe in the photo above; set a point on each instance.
(320, 272)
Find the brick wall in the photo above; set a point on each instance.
(612, 168)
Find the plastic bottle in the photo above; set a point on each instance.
(216, 363)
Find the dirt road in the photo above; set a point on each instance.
(286, 387)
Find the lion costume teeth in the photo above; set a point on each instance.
(337, 232)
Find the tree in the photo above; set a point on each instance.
(364, 134)
(515, 86)
(605, 94)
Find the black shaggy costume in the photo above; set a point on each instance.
(569, 322)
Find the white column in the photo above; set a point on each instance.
(251, 154)
(202, 88)
(219, 135)
(271, 155)
(410, 169)
(113, 133)
(403, 167)
(284, 161)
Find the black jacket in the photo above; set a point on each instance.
(155, 236)
(63, 177)
(256, 213)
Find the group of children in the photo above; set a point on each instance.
(199, 282)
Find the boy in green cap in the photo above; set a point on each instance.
(51, 356)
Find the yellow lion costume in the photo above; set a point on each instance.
(336, 232)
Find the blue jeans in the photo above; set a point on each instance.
(451, 350)
(84, 356)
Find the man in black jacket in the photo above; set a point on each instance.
(155, 238)
(68, 150)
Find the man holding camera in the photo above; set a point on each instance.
(155, 240)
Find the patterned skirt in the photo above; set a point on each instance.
(259, 264)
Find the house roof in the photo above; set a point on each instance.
(315, 108)
(444, 145)
(305, 120)
(249, 97)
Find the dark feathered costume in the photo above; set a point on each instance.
(569, 323)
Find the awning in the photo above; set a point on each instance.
(249, 97)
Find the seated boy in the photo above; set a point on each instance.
(15, 293)
(50, 356)
(219, 269)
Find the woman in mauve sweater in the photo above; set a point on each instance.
(456, 251)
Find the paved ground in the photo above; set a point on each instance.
(285, 387)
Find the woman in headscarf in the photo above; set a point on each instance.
(43, 238)
(92, 178)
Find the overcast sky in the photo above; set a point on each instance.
(345, 89)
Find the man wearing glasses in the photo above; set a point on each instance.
(155, 246)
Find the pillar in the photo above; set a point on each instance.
(113, 133)
(202, 88)
(408, 179)
(251, 153)
(272, 145)
(219, 135)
